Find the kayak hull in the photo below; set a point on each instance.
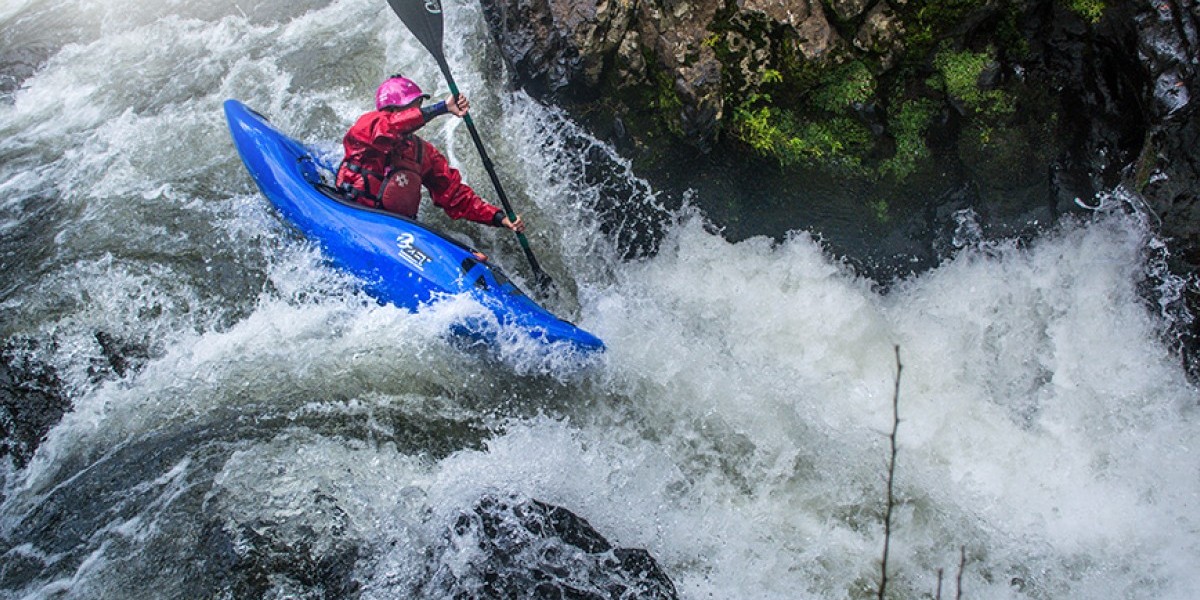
(400, 261)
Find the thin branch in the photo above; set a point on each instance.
(891, 477)
(939, 587)
(962, 566)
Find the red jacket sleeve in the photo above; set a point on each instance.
(389, 125)
(449, 192)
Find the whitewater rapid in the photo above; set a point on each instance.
(736, 427)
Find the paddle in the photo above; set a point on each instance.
(424, 19)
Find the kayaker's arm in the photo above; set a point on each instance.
(388, 125)
(455, 105)
(398, 123)
(449, 193)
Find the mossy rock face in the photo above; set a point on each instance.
(835, 82)
(860, 91)
(882, 90)
(855, 107)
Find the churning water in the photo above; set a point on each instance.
(231, 393)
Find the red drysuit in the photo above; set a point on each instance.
(382, 152)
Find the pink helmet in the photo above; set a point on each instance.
(397, 91)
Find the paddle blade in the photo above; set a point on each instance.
(545, 286)
(424, 19)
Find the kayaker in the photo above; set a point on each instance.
(386, 163)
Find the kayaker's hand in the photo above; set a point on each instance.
(517, 226)
(458, 106)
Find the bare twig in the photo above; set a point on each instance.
(962, 566)
(891, 476)
(939, 588)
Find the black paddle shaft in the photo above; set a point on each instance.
(424, 19)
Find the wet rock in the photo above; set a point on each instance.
(1167, 42)
(563, 50)
(814, 35)
(1167, 170)
(118, 357)
(1105, 74)
(882, 33)
(552, 44)
(849, 9)
(514, 547)
(282, 558)
(32, 400)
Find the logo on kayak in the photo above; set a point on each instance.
(411, 253)
(433, 6)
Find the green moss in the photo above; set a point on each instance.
(757, 126)
(929, 21)
(908, 126)
(1144, 167)
(880, 207)
(1088, 10)
(793, 140)
(667, 102)
(834, 140)
(960, 73)
(801, 111)
(843, 86)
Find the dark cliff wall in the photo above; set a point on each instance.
(872, 87)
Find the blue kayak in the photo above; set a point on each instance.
(400, 260)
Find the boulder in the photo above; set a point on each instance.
(517, 547)
(32, 400)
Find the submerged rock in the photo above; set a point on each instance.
(32, 400)
(279, 558)
(514, 547)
